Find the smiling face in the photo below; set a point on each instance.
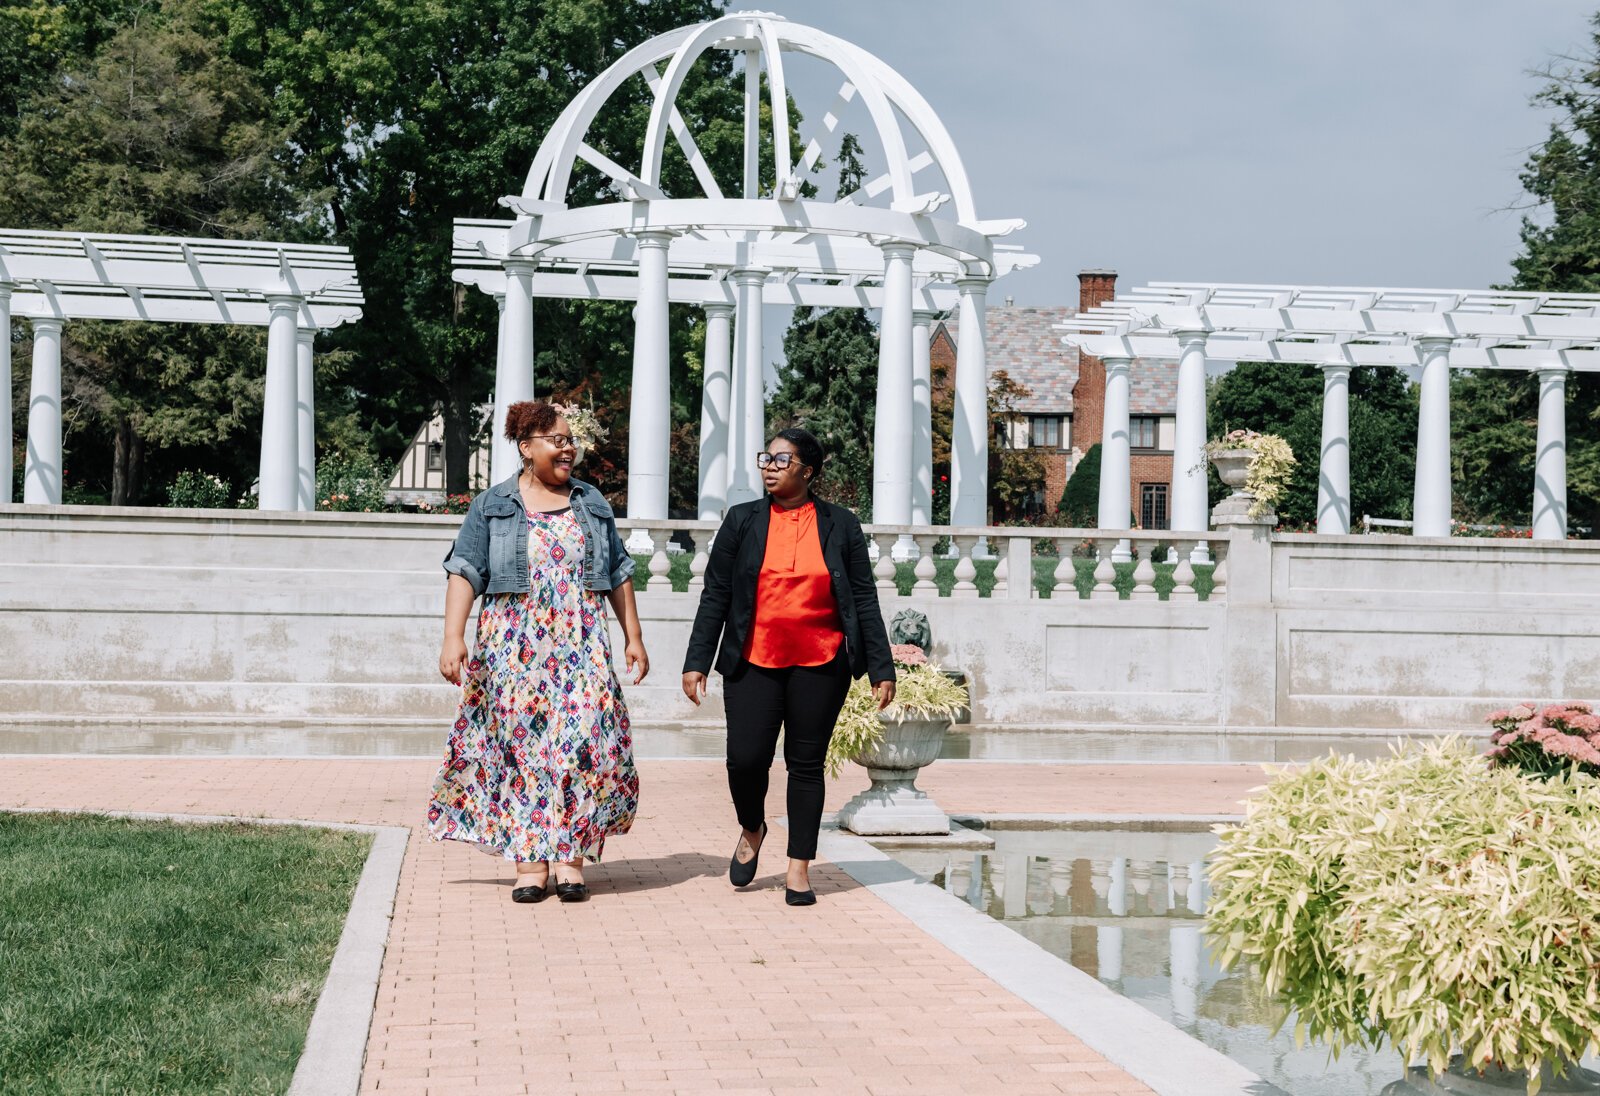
(790, 482)
(550, 461)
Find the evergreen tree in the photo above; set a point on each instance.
(1080, 499)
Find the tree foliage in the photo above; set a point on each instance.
(1080, 499)
(829, 385)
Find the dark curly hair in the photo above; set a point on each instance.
(529, 417)
(807, 446)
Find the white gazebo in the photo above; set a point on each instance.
(911, 253)
(1337, 328)
(292, 290)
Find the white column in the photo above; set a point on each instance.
(921, 417)
(1116, 475)
(1550, 458)
(6, 467)
(280, 464)
(969, 429)
(305, 419)
(513, 380)
(41, 471)
(748, 420)
(1333, 472)
(497, 414)
(1190, 509)
(891, 435)
(650, 413)
(716, 373)
(1185, 967)
(1430, 507)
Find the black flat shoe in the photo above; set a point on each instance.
(799, 898)
(743, 873)
(530, 894)
(572, 892)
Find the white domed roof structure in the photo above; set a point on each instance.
(909, 243)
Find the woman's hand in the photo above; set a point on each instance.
(451, 658)
(884, 691)
(638, 662)
(694, 686)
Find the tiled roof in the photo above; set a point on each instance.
(1025, 343)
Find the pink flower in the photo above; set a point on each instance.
(1522, 711)
(908, 654)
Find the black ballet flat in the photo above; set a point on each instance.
(799, 898)
(743, 873)
(530, 893)
(572, 892)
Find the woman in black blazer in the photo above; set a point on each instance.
(790, 612)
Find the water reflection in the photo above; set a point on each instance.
(1127, 906)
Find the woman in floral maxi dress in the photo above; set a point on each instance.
(539, 767)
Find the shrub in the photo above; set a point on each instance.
(200, 491)
(1547, 741)
(1080, 500)
(921, 690)
(351, 481)
(1429, 898)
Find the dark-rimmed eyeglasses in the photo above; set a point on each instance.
(560, 441)
(779, 461)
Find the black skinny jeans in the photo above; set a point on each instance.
(805, 702)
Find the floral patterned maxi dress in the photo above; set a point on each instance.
(539, 764)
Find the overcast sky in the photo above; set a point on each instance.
(1366, 142)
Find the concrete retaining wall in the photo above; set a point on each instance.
(169, 615)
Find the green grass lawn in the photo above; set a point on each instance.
(1044, 569)
(157, 957)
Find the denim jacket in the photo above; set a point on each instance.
(491, 551)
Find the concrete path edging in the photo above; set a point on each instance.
(1168, 1060)
(336, 1040)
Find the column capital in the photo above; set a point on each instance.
(279, 303)
(924, 316)
(5, 291)
(1553, 372)
(520, 266)
(1117, 363)
(897, 249)
(653, 237)
(306, 335)
(1188, 337)
(1335, 369)
(973, 284)
(748, 275)
(499, 301)
(718, 308)
(1433, 344)
(51, 324)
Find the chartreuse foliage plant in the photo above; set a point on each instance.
(1430, 898)
(922, 691)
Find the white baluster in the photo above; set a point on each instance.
(1104, 573)
(660, 562)
(701, 559)
(1144, 575)
(1219, 579)
(884, 568)
(926, 570)
(1002, 573)
(1183, 574)
(1066, 573)
(966, 570)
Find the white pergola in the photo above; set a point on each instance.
(292, 290)
(1337, 328)
(887, 246)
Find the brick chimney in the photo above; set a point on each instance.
(1095, 287)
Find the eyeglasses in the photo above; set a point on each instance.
(774, 460)
(560, 441)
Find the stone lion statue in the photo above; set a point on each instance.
(910, 626)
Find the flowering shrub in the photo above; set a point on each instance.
(1546, 741)
(351, 482)
(200, 491)
(452, 504)
(921, 690)
(1269, 469)
(1426, 898)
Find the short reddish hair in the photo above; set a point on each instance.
(529, 417)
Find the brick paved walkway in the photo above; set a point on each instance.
(668, 980)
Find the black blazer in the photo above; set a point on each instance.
(728, 604)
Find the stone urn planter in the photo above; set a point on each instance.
(1458, 1080)
(894, 804)
(1233, 466)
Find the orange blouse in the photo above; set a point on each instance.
(796, 618)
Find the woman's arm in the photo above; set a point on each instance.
(458, 598)
(626, 607)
